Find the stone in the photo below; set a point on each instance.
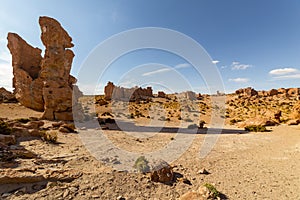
(161, 171)
(293, 122)
(203, 171)
(7, 139)
(7, 96)
(272, 92)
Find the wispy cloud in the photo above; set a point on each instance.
(239, 80)
(285, 73)
(182, 65)
(6, 75)
(156, 71)
(215, 61)
(162, 70)
(239, 66)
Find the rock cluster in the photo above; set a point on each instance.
(247, 92)
(113, 92)
(6, 96)
(45, 83)
(161, 94)
(281, 92)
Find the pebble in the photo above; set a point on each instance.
(120, 198)
(66, 193)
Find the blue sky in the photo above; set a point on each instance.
(253, 43)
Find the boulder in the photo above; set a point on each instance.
(161, 171)
(272, 92)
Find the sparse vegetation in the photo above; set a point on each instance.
(141, 164)
(255, 128)
(212, 189)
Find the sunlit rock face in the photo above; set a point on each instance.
(45, 83)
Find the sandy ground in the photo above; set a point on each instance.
(241, 166)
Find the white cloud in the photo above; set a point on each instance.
(239, 66)
(283, 71)
(215, 61)
(286, 77)
(162, 70)
(6, 75)
(156, 71)
(182, 65)
(239, 80)
(223, 66)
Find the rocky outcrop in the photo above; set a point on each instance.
(295, 115)
(246, 92)
(6, 96)
(161, 94)
(55, 70)
(45, 83)
(26, 61)
(127, 94)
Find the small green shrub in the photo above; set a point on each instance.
(213, 191)
(256, 128)
(141, 164)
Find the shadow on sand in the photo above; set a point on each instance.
(126, 126)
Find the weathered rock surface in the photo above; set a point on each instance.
(161, 94)
(7, 96)
(247, 92)
(127, 94)
(45, 83)
(7, 139)
(161, 171)
(26, 61)
(296, 111)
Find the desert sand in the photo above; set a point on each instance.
(240, 165)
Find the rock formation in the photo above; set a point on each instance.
(161, 94)
(246, 92)
(26, 61)
(127, 94)
(6, 96)
(45, 83)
